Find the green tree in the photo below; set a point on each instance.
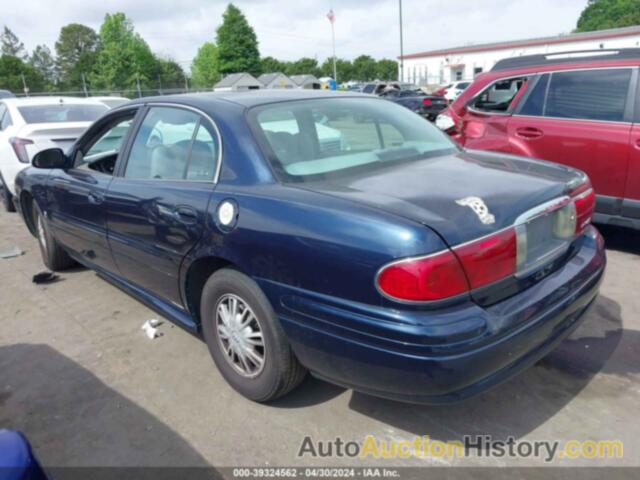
(205, 69)
(237, 44)
(124, 57)
(171, 75)
(76, 49)
(364, 68)
(42, 60)
(12, 70)
(303, 66)
(11, 45)
(387, 69)
(344, 69)
(603, 14)
(272, 65)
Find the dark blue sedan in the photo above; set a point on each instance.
(333, 233)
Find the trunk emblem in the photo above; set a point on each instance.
(479, 207)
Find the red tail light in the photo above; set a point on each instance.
(451, 272)
(426, 102)
(434, 277)
(585, 207)
(489, 259)
(20, 148)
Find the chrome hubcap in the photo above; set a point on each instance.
(41, 237)
(240, 335)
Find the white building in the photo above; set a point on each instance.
(440, 67)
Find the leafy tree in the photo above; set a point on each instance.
(387, 69)
(603, 14)
(272, 65)
(124, 57)
(364, 68)
(237, 44)
(170, 73)
(11, 45)
(205, 69)
(11, 71)
(76, 49)
(42, 60)
(303, 66)
(344, 69)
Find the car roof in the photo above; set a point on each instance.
(600, 56)
(245, 99)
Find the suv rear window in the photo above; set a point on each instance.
(590, 95)
(60, 113)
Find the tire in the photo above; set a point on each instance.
(53, 255)
(7, 198)
(280, 372)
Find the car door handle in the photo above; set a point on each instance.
(95, 198)
(186, 215)
(529, 133)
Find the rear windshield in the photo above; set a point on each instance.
(60, 113)
(334, 137)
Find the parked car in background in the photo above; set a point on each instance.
(6, 94)
(580, 109)
(397, 264)
(111, 101)
(428, 106)
(442, 90)
(28, 125)
(455, 89)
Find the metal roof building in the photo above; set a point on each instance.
(306, 81)
(237, 82)
(276, 80)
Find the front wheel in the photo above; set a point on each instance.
(53, 255)
(245, 338)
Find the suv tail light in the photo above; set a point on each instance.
(426, 102)
(20, 148)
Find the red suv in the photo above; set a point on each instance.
(580, 109)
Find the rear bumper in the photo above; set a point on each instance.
(444, 355)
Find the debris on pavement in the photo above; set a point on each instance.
(45, 277)
(150, 328)
(11, 252)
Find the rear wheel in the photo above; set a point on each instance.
(53, 255)
(7, 198)
(245, 338)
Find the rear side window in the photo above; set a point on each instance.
(498, 96)
(62, 112)
(173, 144)
(589, 95)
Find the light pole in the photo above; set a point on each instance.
(331, 16)
(401, 43)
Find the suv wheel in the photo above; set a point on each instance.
(245, 338)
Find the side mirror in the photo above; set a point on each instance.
(50, 158)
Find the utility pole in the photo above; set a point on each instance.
(84, 86)
(331, 16)
(138, 85)
(186, 82)
(401, 44)
(160, 84)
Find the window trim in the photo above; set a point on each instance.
(135, 128)
(628, 116)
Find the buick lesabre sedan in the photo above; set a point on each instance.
(338, 234)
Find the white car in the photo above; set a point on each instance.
(29, 125)
(111, 101)
(455, 89)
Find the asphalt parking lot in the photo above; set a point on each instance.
(79, 377)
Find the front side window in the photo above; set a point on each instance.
(61, 113)
(589, 94)
(316, 139)
(499, 95)
(173, 144)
